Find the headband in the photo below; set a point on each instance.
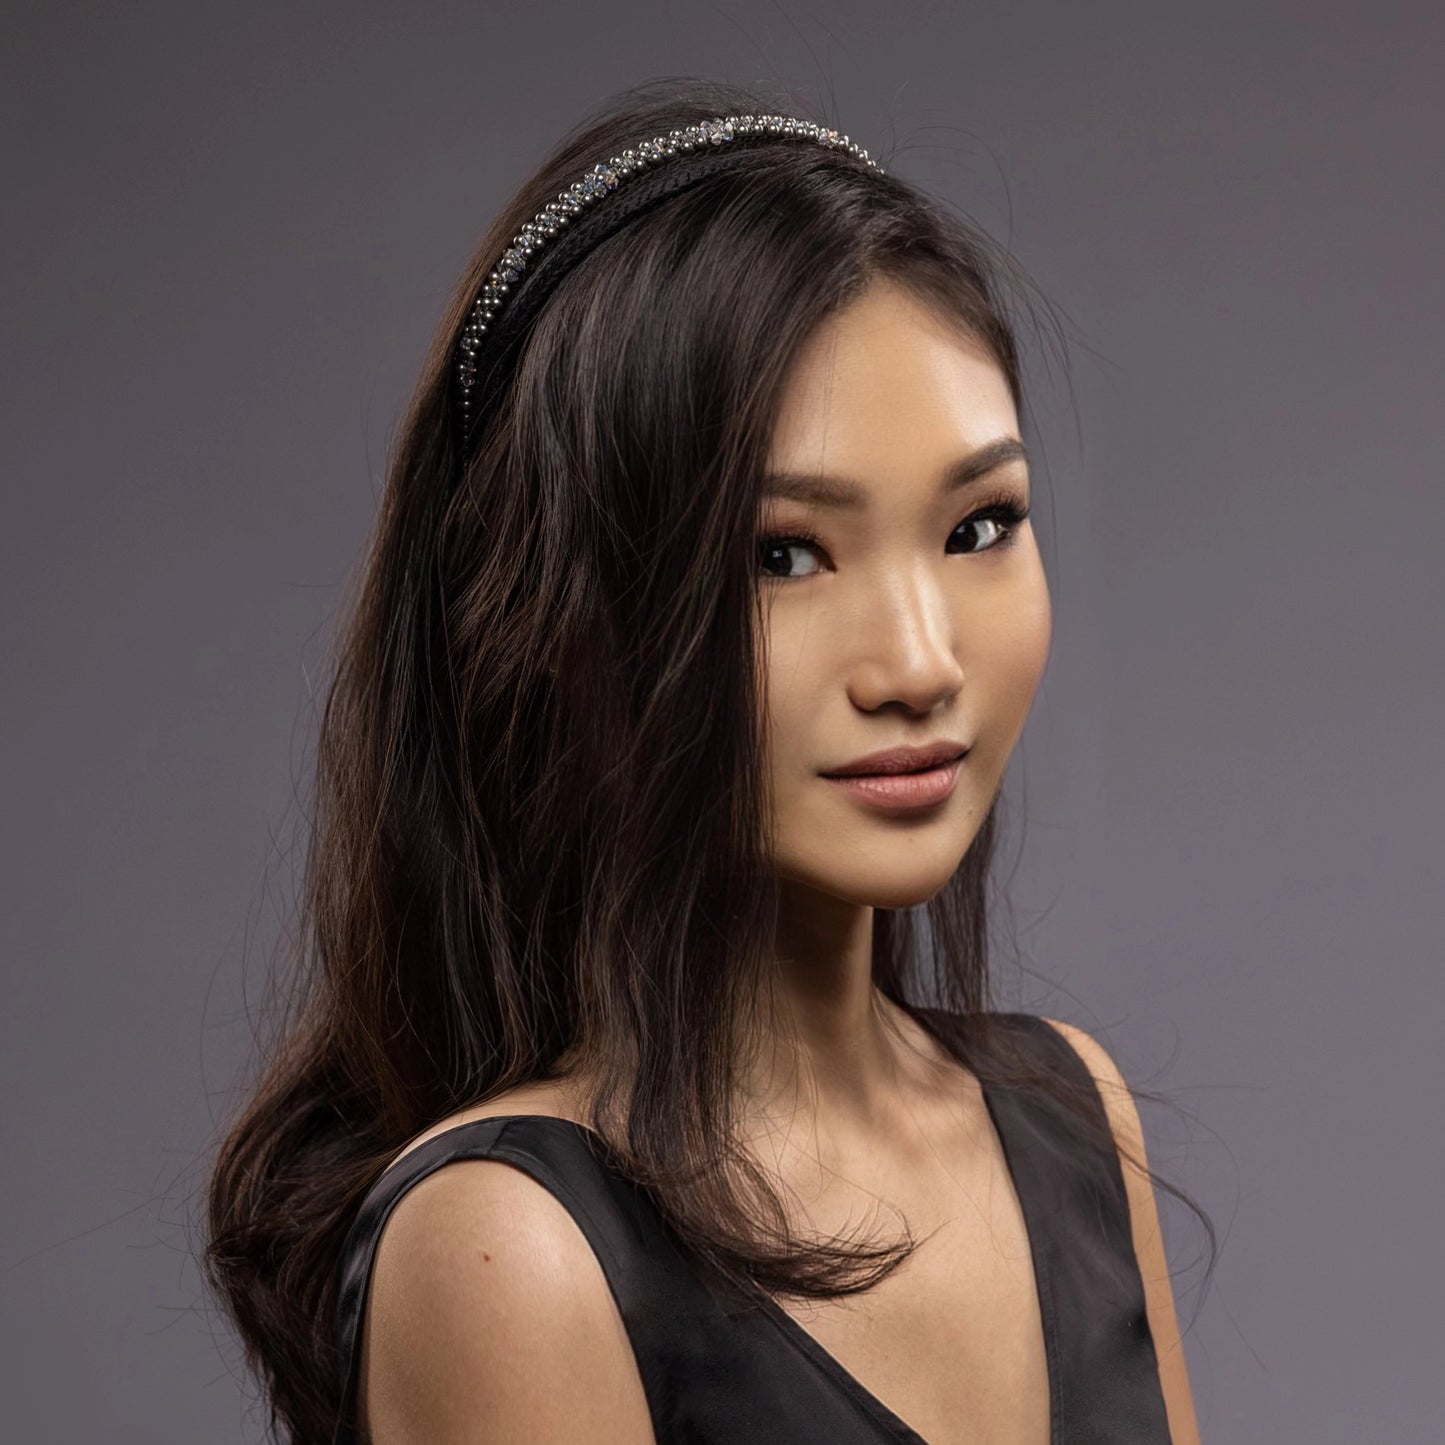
(553, 240)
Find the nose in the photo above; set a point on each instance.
(907, 648)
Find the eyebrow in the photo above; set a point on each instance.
(824, 491)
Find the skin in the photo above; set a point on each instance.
(901, 626)
(904, 623)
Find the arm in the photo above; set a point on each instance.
(489, 1319)
(1148, 1238)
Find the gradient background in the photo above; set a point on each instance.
(229, 235)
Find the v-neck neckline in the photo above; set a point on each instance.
(872, 1405)
(887, 1420)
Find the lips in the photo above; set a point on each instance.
(901, 760)
(903, 794)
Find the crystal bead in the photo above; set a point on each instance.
(605, 176)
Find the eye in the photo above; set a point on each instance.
(997, 520)
(768, 546)
(1000, 517)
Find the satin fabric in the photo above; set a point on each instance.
(719, 1368)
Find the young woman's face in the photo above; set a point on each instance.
(918, 615)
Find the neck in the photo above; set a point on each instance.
(830, 1049)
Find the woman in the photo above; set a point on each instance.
(702, 617)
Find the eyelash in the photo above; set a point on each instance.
(1003, 508)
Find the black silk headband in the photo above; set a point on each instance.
(567, 228)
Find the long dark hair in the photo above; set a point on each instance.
(538, 829)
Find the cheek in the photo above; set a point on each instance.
(794, 660)
(790, 647)
(1018, 642)
(1034, 622)
(786, 692)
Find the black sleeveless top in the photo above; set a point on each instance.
(721, 1371)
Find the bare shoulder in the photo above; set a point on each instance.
(1148, 1238)
(1113, 1090)
(489, 1319)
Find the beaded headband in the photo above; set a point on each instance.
(492, 314)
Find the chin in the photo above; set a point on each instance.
(893, 887)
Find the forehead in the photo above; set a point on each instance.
(888, 386)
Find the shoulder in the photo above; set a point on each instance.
(489, 1318)
(1148, 1238)
(543, 1097)
(1114, 1092)
(1123, 1116)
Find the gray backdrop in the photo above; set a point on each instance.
(228, 237)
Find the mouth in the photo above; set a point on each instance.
(903, 791)
(890, 762)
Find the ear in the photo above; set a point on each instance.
(1144, 1225)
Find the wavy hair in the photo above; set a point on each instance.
(538, 832)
